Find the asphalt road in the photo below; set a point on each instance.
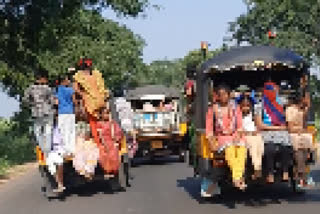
(163, 187)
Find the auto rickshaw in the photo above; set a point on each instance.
(160, 130)
(117, 182)
(251, 66)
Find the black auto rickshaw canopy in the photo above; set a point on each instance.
(249, 65)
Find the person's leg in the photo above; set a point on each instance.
(59, 179)
(71, 132)
(231, 158)
(285, 159)
(37, 126)
(301, 164)
(255, 143)
(239, 165)
(269, 154)
(48, 133)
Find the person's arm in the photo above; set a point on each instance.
(263, 127)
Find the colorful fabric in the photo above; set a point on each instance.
(229, 122)
(95, 92)
(236, 159)
(273, 110)
(111, 135)
(86, 156)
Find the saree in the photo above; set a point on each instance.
(111, 135)
(93, 97)
(94, 91)
(273, 110)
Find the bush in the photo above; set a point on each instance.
(15, 148)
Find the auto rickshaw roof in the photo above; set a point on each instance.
(253, 56)
(139, 92)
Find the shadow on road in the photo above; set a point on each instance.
(255, 196)
(157, 161)
(89, 190)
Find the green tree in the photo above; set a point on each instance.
(172, 72)
(53, 34)
(296, 23)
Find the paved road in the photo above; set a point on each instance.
(158, 188)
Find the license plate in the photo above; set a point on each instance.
(156, 144)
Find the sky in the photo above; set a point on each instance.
(171, 32)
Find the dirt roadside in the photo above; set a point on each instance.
(17, 171)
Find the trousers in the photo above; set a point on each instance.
(236, 158)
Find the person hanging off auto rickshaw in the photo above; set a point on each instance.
(189, 137)
(89, 85)
(224, 132)
(272, 124)
(110, 135)
(252, 135)
(300, 137)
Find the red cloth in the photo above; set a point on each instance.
(109, 152)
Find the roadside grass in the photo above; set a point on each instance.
(15, 148)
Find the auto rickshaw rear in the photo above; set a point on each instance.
(250, 66)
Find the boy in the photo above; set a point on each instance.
(66, 116)
(300, 138)
(40, 99)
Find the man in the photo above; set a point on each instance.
(66, 115)
(40, 99)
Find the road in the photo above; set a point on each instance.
(160, 188)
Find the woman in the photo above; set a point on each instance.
(89, 86)
(111, 136)
(226, 126)
(272, 123)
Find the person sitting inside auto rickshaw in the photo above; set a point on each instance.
(253, 138)
(226, 126)
(272, 124)
(301, 139)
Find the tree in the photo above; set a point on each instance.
(172, 72)
(53, 34)
(296, 23)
